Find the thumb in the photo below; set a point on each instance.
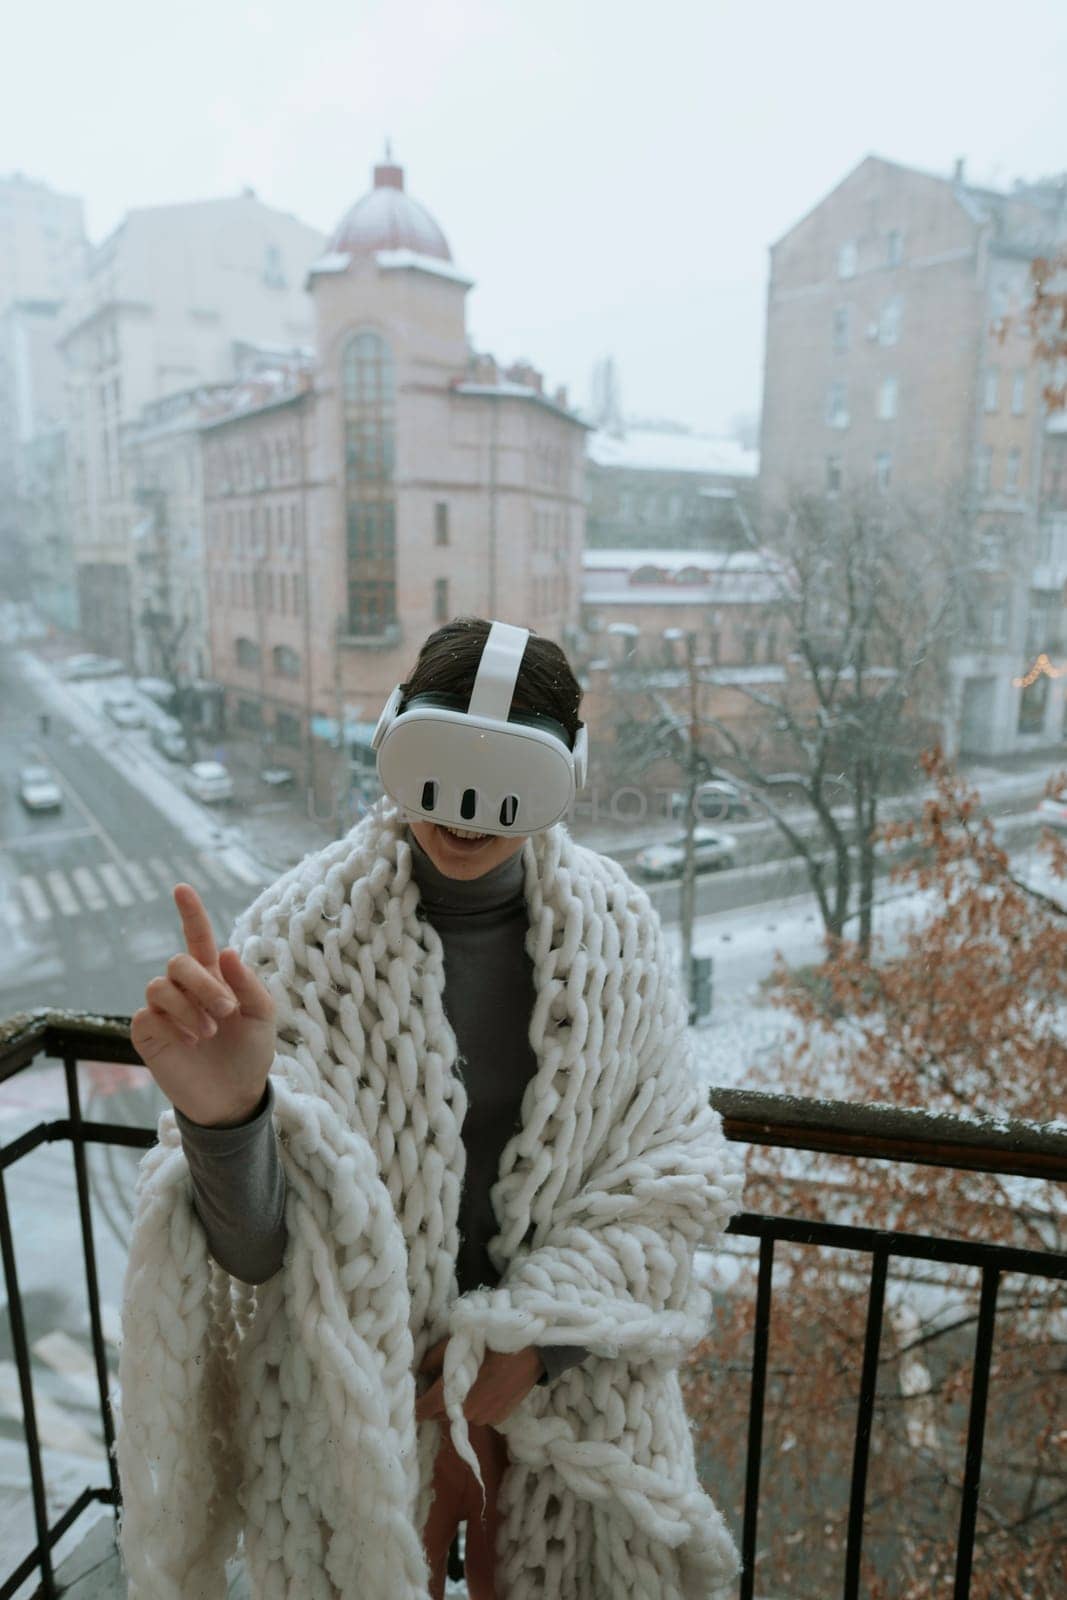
(253, 996)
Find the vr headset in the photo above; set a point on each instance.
(480, 765)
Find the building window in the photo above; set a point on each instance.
(440, 600)
(748, 646)
(1032, 705)
(287, 728)
(715, 646)
(1011, 472)
(367, 384)
(894, 248)
(273, 274)
(991, 386)
(249, 715)
(883, 464)
(837, 405)
(887, 399)
(998, 622)
(846, 259)
(833, 474)
(1018, 394)
(286, 662)
(889, 322)
(772, 645)
(841, 328)
(246, 652)
(440, 512)
(984, 468)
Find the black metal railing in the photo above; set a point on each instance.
(877, 1132)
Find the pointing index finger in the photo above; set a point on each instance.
(196, 925)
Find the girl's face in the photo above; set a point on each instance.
(458, 859)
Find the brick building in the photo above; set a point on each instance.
(667, 487)
(411, 482)
(898, 356)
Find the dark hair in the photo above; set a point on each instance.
(448, 664)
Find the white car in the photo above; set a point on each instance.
(92, 666)
(712, 852)
(124, 711)
(38, 790)
(1053, 810)
(209, 780)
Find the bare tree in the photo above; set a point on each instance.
(869, 590)
(868, 594)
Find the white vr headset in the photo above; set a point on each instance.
(480, 765)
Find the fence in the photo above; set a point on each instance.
(877, 1132)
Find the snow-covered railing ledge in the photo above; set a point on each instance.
(895, 1133)
(838, 1127)
(55, 1031)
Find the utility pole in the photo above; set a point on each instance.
(340, 771)
(691, 780)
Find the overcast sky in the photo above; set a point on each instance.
(611, 172)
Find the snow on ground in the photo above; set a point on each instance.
(740, 1045)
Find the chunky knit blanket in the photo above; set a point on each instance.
(286, 1410)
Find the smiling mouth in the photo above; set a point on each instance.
(463, 833)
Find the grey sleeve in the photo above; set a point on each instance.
(239, 1191)
(558, 1357)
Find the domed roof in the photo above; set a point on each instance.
(389, 219)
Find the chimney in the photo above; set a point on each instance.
(957, 174)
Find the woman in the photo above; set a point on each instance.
(483, 1161)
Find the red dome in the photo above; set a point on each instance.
(389, 219)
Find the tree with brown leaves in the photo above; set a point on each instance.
(966, 1014)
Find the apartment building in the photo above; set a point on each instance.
(899, 357)
(166, 303)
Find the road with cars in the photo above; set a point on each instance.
(86, 915)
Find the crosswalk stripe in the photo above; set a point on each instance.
(93, 895)
(215, 870)
(35, 898)
(64, 894)
(163, 872)
(116, 883)
(140, 880)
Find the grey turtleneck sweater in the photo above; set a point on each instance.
(238, 1180)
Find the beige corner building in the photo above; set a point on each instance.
(898, 355)
(410, 482)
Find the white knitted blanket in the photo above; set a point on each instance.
(287, 1410)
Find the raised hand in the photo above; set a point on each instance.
(206, 1031)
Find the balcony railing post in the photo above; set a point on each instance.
(29, 1410)
(761, 1332)
(972, 1472)
(92, 1282)
(862, 1443)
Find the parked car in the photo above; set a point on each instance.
(717, 801)
(712, 852)
(277, 777)
(209, 780)
(38, 790)
(124, 711)
(157, 689)
(92, 666)
(168, 738)
(1053, 810)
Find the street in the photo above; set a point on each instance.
(86, 914)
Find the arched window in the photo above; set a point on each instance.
(367, 386)
(647, 575)
(247, 652)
